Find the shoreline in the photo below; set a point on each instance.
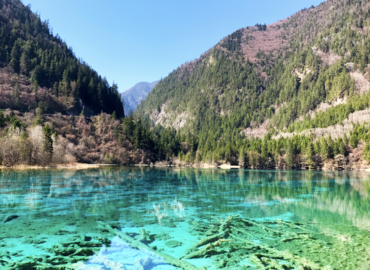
(85, 166)
(74, 166)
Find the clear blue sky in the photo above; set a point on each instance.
(130, 41)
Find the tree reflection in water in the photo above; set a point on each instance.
(58, 205)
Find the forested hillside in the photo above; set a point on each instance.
(38, 69)
(272, 94)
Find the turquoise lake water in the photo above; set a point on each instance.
(277, 219)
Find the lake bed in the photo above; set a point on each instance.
(231, 219)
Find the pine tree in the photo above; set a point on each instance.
(128, 127)
(114, 115)
(24, 63)
(290, 154)
(241, 157)
(138, 135)
(309, 155)
(2, 119)
(366, 152)
(330, 147)
(264, 151)
(35, 86)
(48, 141)
(354, 139)
(342, 148)
(336, 148)
(345, 140)
(39, 120)
(317, 147)
(324, 149)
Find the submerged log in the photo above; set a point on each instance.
(139, 245)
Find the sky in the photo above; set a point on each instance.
(144, 40)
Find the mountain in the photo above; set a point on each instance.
(38, 69)
(132, 97)
(274, 89)
(54, 108)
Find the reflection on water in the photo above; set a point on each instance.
(41, 211)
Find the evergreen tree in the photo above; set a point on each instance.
(48, 141)
(330, 147)
(2, 119)
(290, 154)
(342, 148)
(324, 149)
(138, 135)
(128, 127)
(309, 155)
(241, 157)
(39, 120)
(264, 151)
(366, 152)
(317, 147)
(354, 139)
(35, 86)
(345, 139)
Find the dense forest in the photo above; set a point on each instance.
(29, 49)
(256, 99)
(228, 89)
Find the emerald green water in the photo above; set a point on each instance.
(53, 218)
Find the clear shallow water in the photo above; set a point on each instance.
(54, 218)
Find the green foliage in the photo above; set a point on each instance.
(39, 120)
(366, 152)
(2, 119)
(29, 47)
(35, 86)
(222, 94)
(309, 155)
(324, 149)
(233, 41)
(16, 123)
(261, 27)
(48, 141)
(290, 154)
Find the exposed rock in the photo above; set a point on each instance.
(336, 131)
(257, 132)
(166, 119)
(303, 74)
(323, 107)
(328, 58)
(362, 84)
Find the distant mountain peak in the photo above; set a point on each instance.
(132, 97)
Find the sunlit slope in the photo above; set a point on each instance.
(303, 72)
(38, 69)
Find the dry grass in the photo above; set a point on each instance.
(82, 140)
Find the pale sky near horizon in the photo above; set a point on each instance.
(135, 41)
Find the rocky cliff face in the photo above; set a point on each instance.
(132, 97)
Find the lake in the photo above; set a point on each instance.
(147, 218)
